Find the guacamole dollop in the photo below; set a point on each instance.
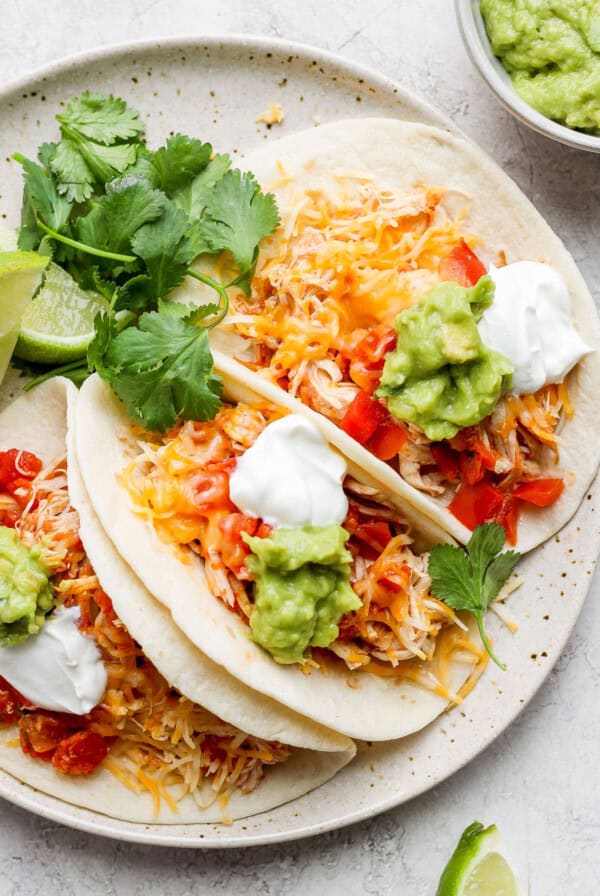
(551, 49)
(26, 595)
(302, 589)
(441, 376)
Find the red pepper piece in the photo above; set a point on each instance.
(541, 492)
(476, 504)
(462, 266)
(388, 440)
(363, 417)
(376, 535)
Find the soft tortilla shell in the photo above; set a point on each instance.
(102, 792)
(184, 666)
(402, 155)
(38, 422)
(358, 705)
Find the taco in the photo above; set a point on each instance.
(145, 728)
(415, 298)
(283, 562)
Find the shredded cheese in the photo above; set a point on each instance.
(162, 743)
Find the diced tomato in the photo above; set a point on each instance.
(397, 577)
(9, 518)
(10, 702)
(235, 523)
(212, 491)
(508, 516)
(41, 732)
(20, 489)
(376, 535)
(234, 549)
(388, 440)
(15, 464)
(363, 417)
(368, 357)
(462, 266)
(541, 492)
(80, 753)
(476, 504)
(446, 459)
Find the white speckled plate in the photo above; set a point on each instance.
(215, 87)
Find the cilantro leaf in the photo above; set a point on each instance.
(191, 198)
(497, 574)
(485, 543)
(162, 370)
(178, 162)
(237, 217)
(99, 142)
(70, 167)
(102, 119)
(41, 199)
(79, 165)
(472, 580)
(45, 153)
(451, 577)
(104, 331)
(192, 313)
(166, 252)
(118, 215)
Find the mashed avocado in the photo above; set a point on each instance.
(551, 49)
(302, 589)
(441, 376)
(25, 592)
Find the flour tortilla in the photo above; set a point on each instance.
(37, 422)
(356, 704)
(402, 155)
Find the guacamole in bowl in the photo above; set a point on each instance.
(551, 50)
(541, 59)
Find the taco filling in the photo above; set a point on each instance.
(351, 294)
(321, 567)
(138, 727)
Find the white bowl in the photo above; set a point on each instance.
(490, 68)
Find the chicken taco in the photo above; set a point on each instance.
(414, 298)
(284, 562)
(104, 703)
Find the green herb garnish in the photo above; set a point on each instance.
(127, 222)
(472, 579)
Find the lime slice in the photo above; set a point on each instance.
(20, 275)
(58, 325)
(477, 866)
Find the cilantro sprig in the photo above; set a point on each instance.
(128, 222)
(471, 579)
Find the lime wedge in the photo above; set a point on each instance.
(58, 325)
(20, 275)
(477, 866)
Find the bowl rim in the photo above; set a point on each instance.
(472, 29)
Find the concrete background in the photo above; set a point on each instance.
(539, 781)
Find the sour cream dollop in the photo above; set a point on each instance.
(59, 668)
(291, 477)
(529, 322)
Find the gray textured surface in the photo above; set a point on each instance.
(539, 781)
